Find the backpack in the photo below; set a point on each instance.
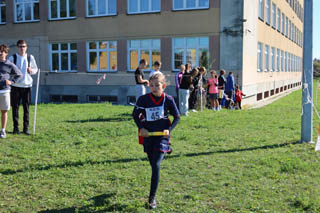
(15, 59)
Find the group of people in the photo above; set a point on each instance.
(192, 84)
(151, 111)
(16, 86)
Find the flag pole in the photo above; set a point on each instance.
(36, 103)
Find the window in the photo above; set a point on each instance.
(63, 57)
(148, 49)
(2, 11)
(190, 4)
(102, 56)
(293, 31)
(261, 9)
(282, 59)
(274, 15)
(286, 62)
(260, 67)
(286, 28)
(193, 50)
(289, 30)
(266, 52)
(101, 8)
(278, 19)
(62, 9)
(278, 60)
(289, 62)
(26, 10)
(283, 23)
(268, 11)
(273, 59)
(144, 6)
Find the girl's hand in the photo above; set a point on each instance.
(8, 82)
(144, 133)
(166, 133)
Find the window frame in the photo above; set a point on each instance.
(283, 21)
(139, 8)
(32, 2)
(59, 51)
(139, 49)
(260, 57)
(273, 59)
(286, 27)
(281, 59)
(278, 60)
(5, 15)
(96, 10)
(185, 6)
(260, 10)
(268, 11)
(97, 50)
(278, 19)
(274, 15)
(266, 58)
(286, 61)
(58, 11)
(185, 48)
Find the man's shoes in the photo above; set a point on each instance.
(26, 131)
(16, 131)
(152, 203)
(3, 134)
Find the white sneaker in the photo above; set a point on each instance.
(193, 110)
(3, 134)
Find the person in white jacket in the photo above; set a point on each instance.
(22, 89)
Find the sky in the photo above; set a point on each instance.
(316, 29)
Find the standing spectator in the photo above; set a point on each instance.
(213, 90)
(239, 95)
(157, 67)
(21, 90)
(229, 88)
(178, 78)
(140, 81)
(202, 85)
(9, 74)
(194, 93)
(221, 86)
(188, 68)
(186, 84)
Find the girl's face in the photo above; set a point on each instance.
(3, 55)
(157, 87)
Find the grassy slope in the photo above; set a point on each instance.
(86, 158)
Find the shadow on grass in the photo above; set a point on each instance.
(101, 203)
(126, 160)
(119, 118)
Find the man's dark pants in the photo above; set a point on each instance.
(19, 94)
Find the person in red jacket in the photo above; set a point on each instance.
(239, 95)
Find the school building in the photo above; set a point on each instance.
(75, 42)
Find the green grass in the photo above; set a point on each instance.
(86, 158)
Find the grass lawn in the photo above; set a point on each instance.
(86, 158)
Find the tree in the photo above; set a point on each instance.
(316, 67)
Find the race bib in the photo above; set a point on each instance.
(155, 113)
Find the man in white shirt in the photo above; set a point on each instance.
(21, 90)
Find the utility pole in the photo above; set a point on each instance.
(307, 74)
